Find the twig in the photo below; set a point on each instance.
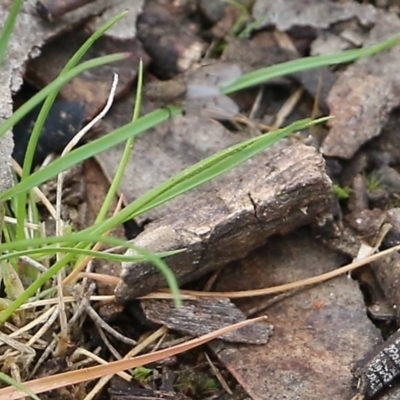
(108, 344)
(218, 375)
(71, 322)
(99, 321)
(35, 264)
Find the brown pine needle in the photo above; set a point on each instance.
(163, 293)
(73, 377)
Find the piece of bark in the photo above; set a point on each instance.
(365, 226)
(202, 316)
(387, 269)
(367, 223)
(273, 198)
(169, 40)
(286, 15)
(176, 144)
(126, 27)
(92, 89)
(338, 237)
(361, 104)
(347, 236)
(384, 63)
(378, 305)
(378, 369)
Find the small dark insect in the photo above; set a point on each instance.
(199, 91)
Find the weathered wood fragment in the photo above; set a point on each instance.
(274, 198)
(202, 316)
(379, 368)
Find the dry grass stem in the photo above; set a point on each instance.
(218, 375)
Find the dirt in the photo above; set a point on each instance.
(308, 205)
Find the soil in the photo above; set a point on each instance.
(311, 203)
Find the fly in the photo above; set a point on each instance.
(198, 91)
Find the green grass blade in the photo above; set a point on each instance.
(198, 174)
(56, 84)
(52, 96)
(84, 239)
(40, 121)
(67, 240)
(263, 75)
(88, 150)
(127, 151)
(89, 42)
(51, 250)
(12, 382)
(8, 28)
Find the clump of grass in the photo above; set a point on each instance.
(373, 181)
(342, 192)
(196, 384)
(73, 250)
